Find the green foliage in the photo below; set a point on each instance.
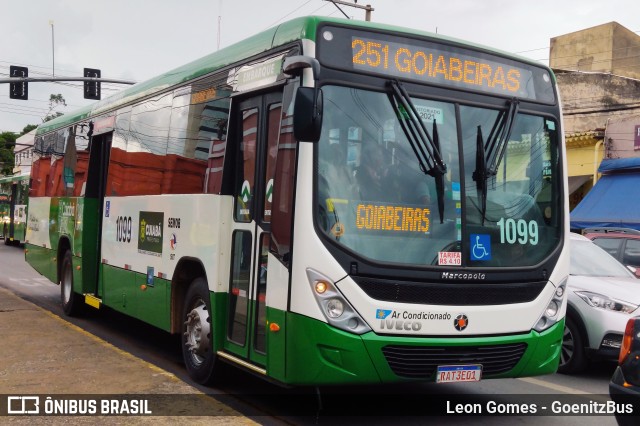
(7, 139)
(28, 128)
(54, 102)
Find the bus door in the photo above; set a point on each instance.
(99, 149)
(256, 142)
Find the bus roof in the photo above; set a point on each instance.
(5, 179)
(282, 34)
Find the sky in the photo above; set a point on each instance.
(138, 39)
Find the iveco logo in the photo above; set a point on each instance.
(463, 276)
(461, 322)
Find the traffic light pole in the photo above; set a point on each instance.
(19, 82)
(91, 79)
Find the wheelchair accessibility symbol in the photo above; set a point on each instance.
(480, 247)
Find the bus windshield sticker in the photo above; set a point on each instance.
(449, 258)
(337, 230)
(429, 114)
(455, 191)
(480, 247)
(518, 231)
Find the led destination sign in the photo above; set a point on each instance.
(433, 63)
(438, 66)
(392, 218)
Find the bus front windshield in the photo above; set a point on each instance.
(378, 200)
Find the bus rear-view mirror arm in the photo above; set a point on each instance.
(307, 111)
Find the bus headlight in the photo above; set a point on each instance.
(552, 309)
(550, 315)
(336, 309)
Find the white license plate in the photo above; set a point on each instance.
(458, 373)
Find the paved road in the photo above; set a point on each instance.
(156, 352)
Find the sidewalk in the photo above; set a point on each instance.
(42, 354)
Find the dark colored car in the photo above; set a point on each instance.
(621, 243)
(624, 387)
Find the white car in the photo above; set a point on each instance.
(602, 295)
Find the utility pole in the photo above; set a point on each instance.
(53, 51)
(368, 9)
(219, 24)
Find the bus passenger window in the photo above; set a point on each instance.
(245, 177)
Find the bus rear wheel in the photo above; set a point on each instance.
(197, 333)
(71, 302)
(5, 235)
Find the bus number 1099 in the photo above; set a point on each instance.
(123, 225)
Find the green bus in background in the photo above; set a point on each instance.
(14, 193)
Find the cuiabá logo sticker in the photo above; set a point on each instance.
(150, 235)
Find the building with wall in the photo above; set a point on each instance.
(23, 154)
(598, 72)
(607, 48)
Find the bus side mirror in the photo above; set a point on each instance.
(307, 114)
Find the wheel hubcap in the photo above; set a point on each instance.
(66, 284)
(198, 333)
(567, 346)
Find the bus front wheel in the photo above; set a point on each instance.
(71, 302)
(197, 333)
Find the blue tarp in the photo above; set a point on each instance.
(613, 202)
(619, 165)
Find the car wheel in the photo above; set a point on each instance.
(572, 357)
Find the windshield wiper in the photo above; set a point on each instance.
(489, 155)
(425, 148)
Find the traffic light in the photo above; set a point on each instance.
(92, 88)
(19, 90)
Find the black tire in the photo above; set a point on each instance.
(624, 420)
(573, 358)
(72, 303)
(197, 333)
(5, 234)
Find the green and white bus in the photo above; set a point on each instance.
(14, 195)
(327, 202)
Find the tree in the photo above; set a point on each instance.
(54, 102)
(7, 139)
(28, 128)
